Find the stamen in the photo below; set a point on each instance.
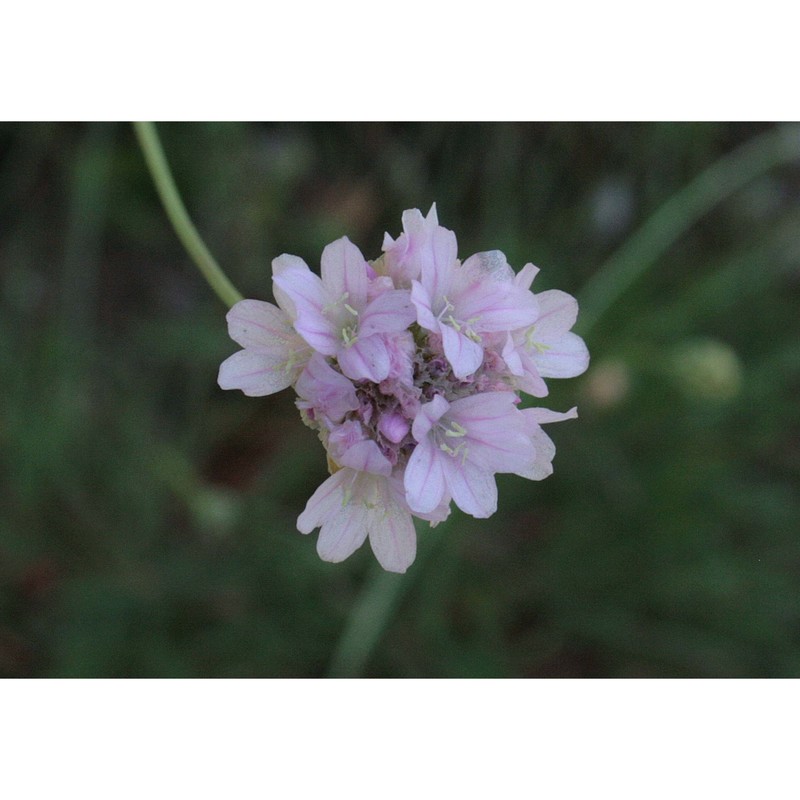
(470, 334)
(455, 430)
(349, 336)
(351, 310)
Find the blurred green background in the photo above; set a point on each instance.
(147, 517)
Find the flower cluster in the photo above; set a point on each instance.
(409, 368)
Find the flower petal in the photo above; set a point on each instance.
(325, 502)
(545, 415)
(367, 359)
(474, 490)
(495, 432)
(492, 265)
(464, 355)
(342, 534)
(424, 478)
(255, 373)
(256, 324)
(564, 358)
(557, 314)
(495, 306)
(390, 312)
(392, 535)
(344, 273)
(326, 389)
(279, 265)
(423, 305)
(365, 456)
(428, 414)
(308, 297)
(526, 275)
(544, 450)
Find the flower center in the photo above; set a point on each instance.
(466, 327)
(455, 431)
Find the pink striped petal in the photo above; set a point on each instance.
(390, 312)
(366, 360)
(344, 272)
(558, 312)
(464, 355)
(256, 374)
(473, 489)
(424, 478)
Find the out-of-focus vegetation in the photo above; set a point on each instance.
(147, 517)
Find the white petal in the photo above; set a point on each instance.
(545, 415)
(564, 358)
(474, 490)
(542, 464)
(344, 272)
(557, 314)
(325, 502)
(392, 536)
(424, 478)
(464, 355)
(343, 534)
(526, 275)
(365, 456)
(256, 374)
(254, 323)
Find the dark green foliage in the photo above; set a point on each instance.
(147, 517)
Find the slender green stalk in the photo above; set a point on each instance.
(673, 219)
(372, 611)
(365, 623)
(178, 216)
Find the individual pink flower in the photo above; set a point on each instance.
(273, 355)
(463, 302)
(547, 348)
(422, 243)
(335, 315)
(352, 505)
(325, 391)
(460, 447)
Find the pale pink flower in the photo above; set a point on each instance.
(352, 505)
(548, 348)
(463, 302)
(335, 315)
(273, 356)
(409, 370)
(460, 447)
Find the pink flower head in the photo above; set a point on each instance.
(409, 369)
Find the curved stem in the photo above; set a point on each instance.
(165, 184)
(377, 601)
(679, 213)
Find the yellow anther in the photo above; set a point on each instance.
(351, 310)
(349, 336)
(455, 430)
(470, 334)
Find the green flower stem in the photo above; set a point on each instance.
(673, 219)
(372, 611)
(178, 216)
